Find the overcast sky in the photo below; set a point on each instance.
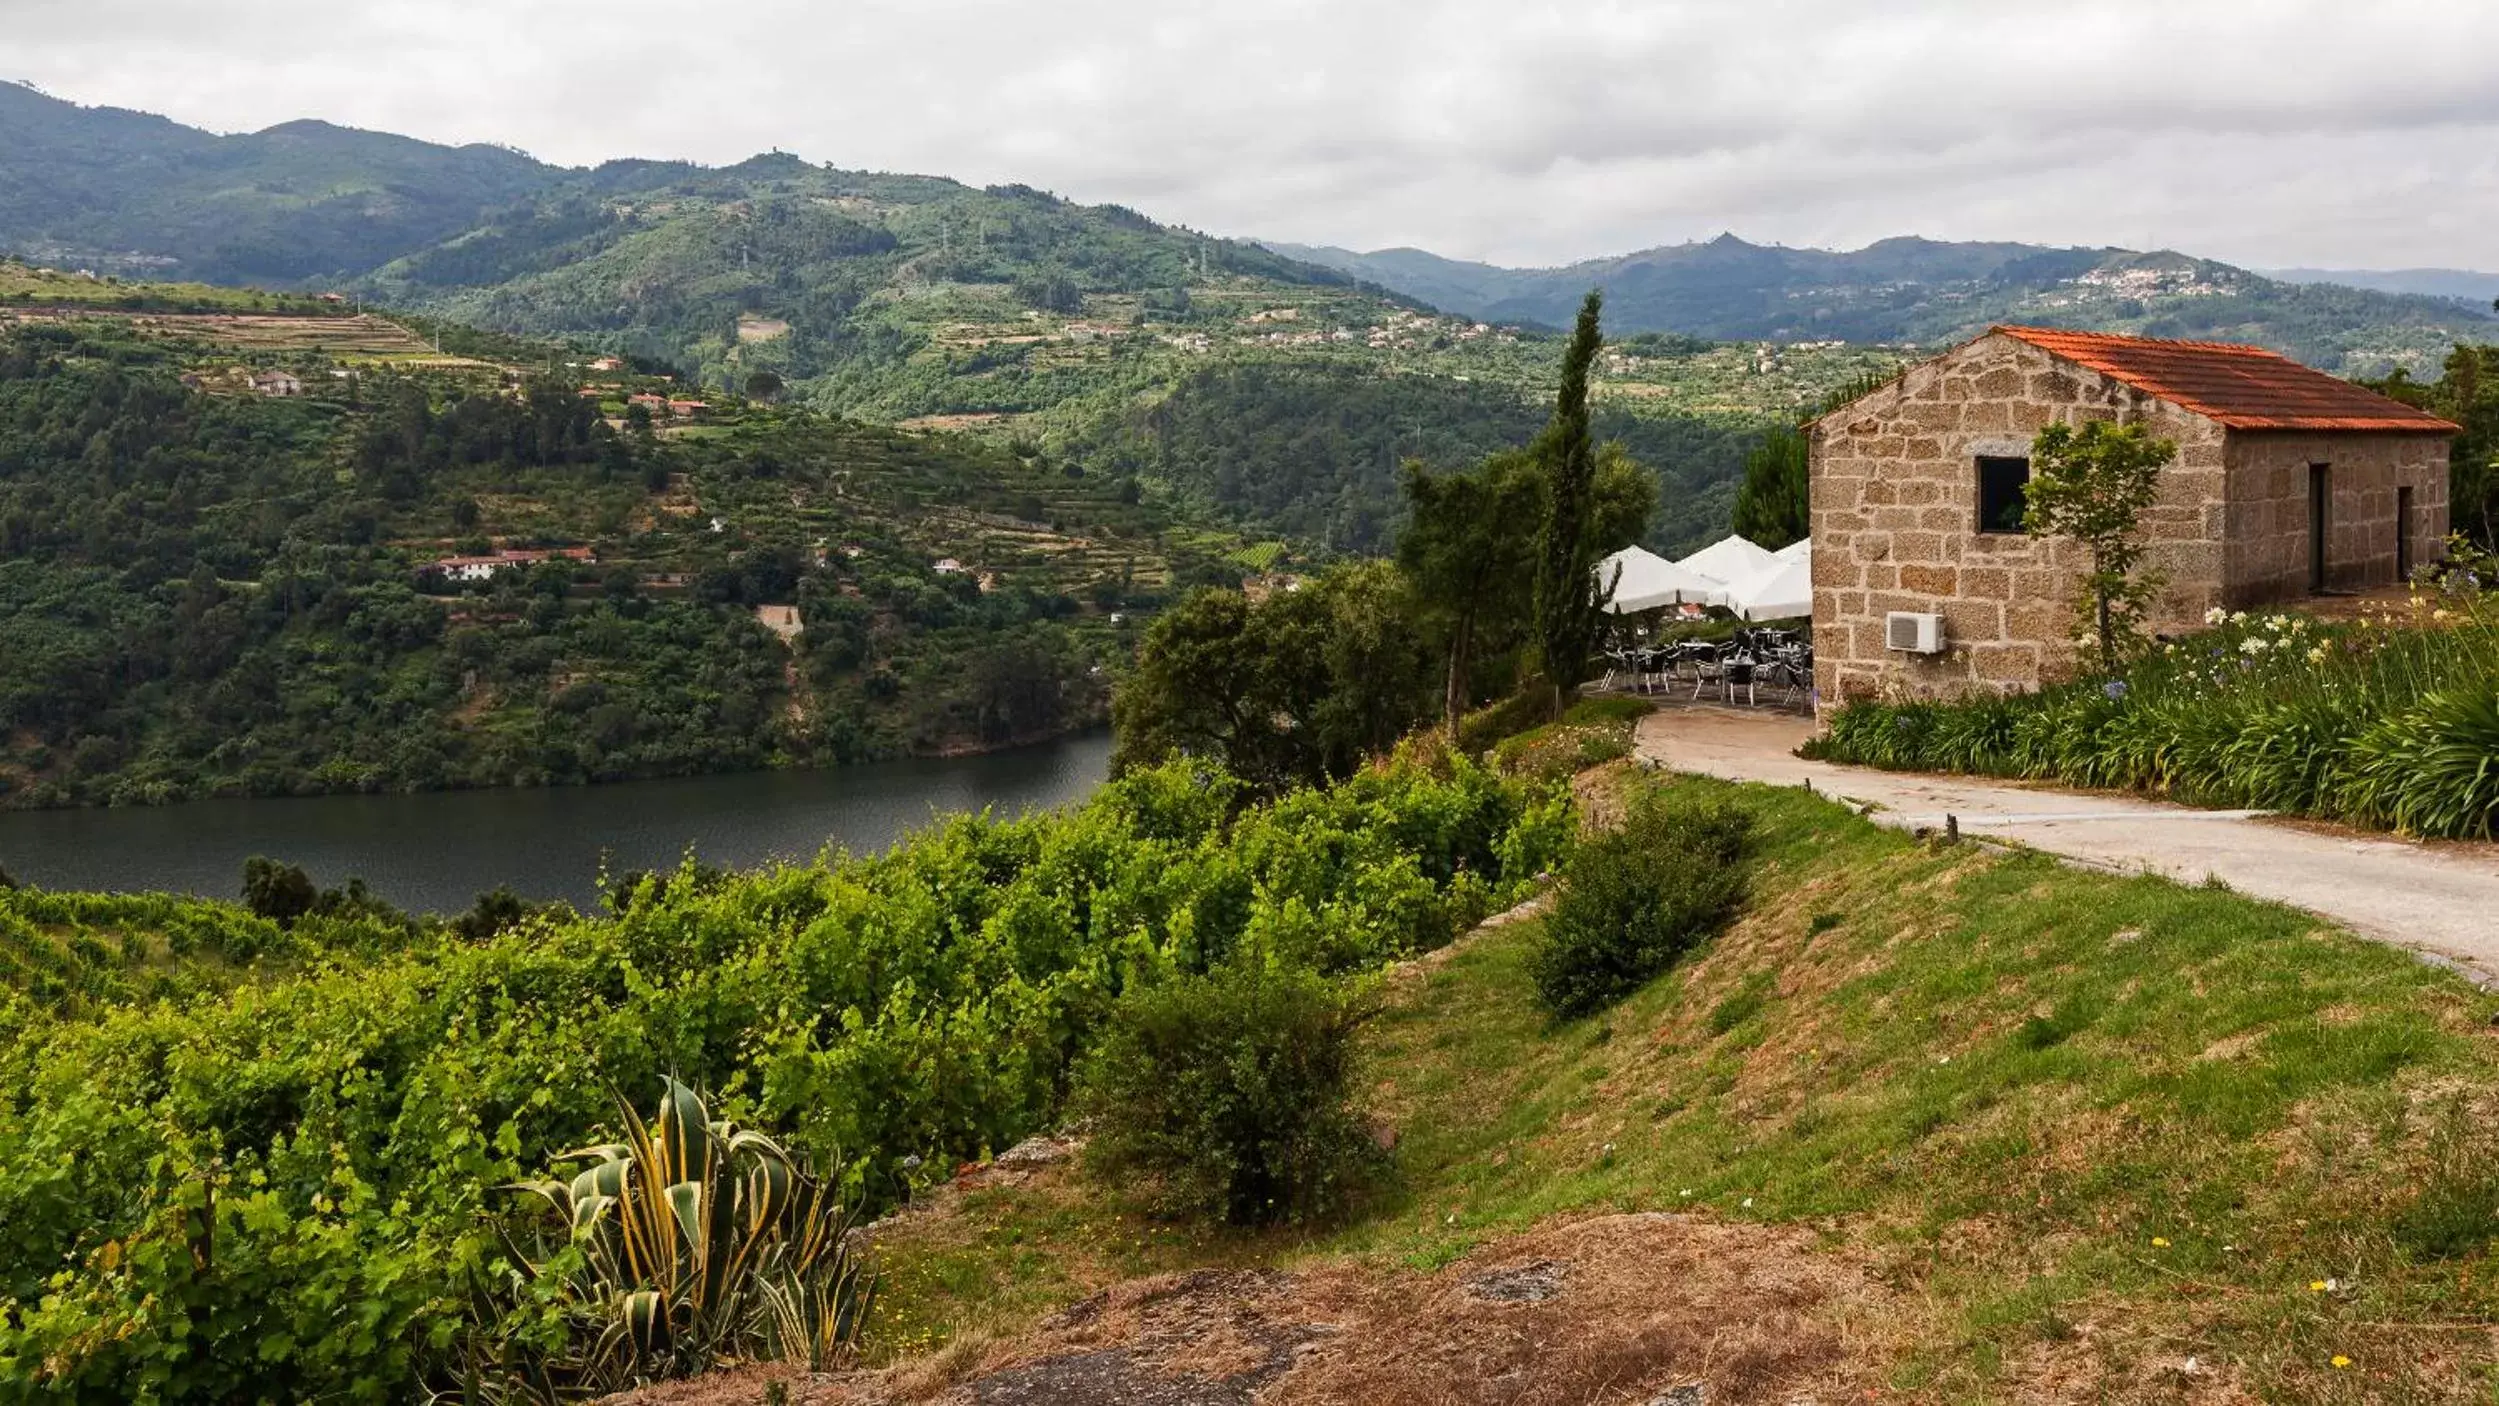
(2357, 133)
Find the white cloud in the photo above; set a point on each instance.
(2266, 131)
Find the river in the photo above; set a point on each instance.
(437, 851)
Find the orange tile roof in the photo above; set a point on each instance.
(2242, 387)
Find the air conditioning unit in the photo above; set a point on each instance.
(1913, 633)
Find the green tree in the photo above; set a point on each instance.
(2091, 485)
(1291, 690)
(1467, 552)
(764, 386)
(2467, 392)
(1771, 504)
(1377, 665)
(279, 892)
(1624, 501)
(1566, 603)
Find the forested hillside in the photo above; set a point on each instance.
(128, 192)
(204, 590)
(1930, 292)
(1313, 452)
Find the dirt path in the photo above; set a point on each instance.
(2439, 900)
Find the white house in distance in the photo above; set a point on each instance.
(466, 570)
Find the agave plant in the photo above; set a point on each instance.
(689, 1245)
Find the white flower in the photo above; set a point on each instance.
(2253, 644)
(2238, 618)
(2215, 615)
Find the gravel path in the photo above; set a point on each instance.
(2439, 900)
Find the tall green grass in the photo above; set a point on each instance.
(2390, 722)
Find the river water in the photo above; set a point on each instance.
(436, 852)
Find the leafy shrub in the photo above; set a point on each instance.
(499, 910)
(1232, 1092)
(1633, 901)
(690, 1245)
(279, 892)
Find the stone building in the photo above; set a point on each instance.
(2288, 482)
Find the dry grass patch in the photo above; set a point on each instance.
(1611, 1308)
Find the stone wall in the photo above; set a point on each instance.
(2268, 532)
(1895, 514)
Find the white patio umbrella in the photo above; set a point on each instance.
(1782, 592)
(1729, 559)
(1648, 581)
(1800, 548)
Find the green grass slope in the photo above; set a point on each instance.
(2088, 1126)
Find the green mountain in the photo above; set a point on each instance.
(1926, 292)
(1275, 391)
(130, 193)
(1212, 370)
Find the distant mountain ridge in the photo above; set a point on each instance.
(1926, 291)
(129, 192)
(2469, 285)
(498, 237)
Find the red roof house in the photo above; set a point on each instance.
(2286, 482)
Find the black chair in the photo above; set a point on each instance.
(1739, 672)
(1708, 663)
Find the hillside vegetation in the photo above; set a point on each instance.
(289, 1186)
(205, 591)
(2057, 1134)
(1280, 393)
(1316, 452)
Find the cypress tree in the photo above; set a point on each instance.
(1568, 610)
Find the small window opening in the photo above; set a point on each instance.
(2003, 492)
